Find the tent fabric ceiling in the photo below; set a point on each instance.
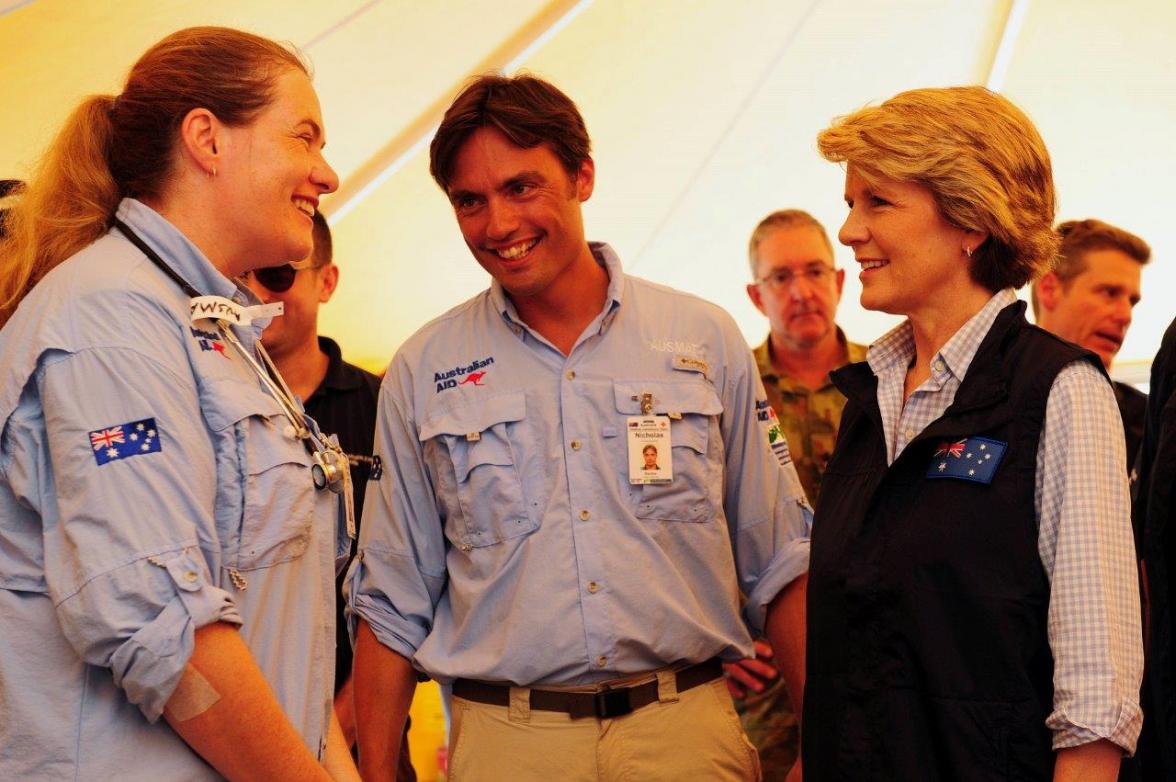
(703, 116)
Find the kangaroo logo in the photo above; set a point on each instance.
(469, 373)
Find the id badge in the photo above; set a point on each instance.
(650, 453)
(349, 499)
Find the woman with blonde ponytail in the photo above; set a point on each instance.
(170, 521)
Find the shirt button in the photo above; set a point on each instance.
(190, 576)
(938, 366)
(571, 374)
(909, 433)
(584, 514)
(593, 587)
(601, 661)
(576, 445)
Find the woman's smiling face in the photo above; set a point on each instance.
(909, 254)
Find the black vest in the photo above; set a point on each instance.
(927, 650)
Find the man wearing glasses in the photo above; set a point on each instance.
(339, 396)
(797, 288)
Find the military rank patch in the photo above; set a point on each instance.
(971, 459)
(115, 443)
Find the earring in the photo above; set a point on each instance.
(212, 172)
(968, 251)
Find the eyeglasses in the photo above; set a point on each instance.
(279, 279)
(782, 279)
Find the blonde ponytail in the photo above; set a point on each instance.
(66, 205)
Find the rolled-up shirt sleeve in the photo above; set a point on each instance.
(129, 518)
(769, 517)
(1086, 547)
(399, 573)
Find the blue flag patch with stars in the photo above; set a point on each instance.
(971, 459)
(115, 443)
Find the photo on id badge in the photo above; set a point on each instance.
(650, 454)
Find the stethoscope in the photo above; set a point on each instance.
(330, 469)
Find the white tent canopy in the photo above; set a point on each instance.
(703, 116)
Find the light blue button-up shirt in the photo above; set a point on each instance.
(110, 559)
(505, 542)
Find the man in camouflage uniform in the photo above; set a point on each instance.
(797, 288)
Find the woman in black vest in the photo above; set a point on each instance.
(973, 607)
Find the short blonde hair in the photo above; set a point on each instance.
(979, 155)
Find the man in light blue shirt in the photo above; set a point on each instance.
(515, 546)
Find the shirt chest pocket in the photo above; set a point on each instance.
(266, 500)
(695, 492)
(485, 504)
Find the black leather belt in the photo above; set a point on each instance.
(604, 704)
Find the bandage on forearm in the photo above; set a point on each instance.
(193, 696)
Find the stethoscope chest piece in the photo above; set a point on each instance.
(327, 470)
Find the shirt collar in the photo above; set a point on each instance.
(338, 377)
(897, 347)
(763, 359)
(184, 257)
(604, 255)
(763, 356)
(959, 351)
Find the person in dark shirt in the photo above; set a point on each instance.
(339, 396)
(1154, 510)
(1087, 298)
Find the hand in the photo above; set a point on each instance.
(753, 674)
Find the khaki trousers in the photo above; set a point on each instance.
(693, 735)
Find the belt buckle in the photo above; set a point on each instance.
(612, 703)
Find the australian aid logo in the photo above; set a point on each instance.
(209, 341)
(473, 374)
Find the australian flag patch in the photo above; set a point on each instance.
(971, 459)
(115, 443)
